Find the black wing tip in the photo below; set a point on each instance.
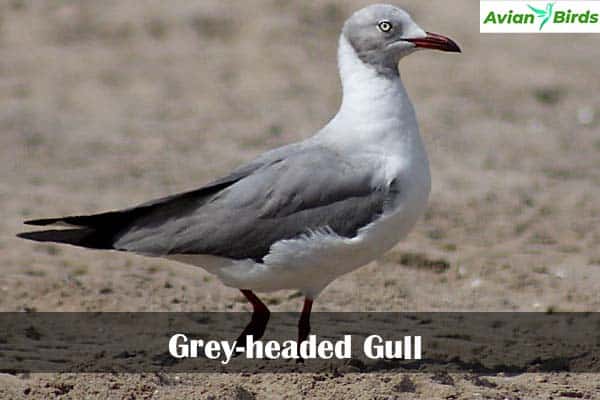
(83, 237)
(38, 236)
(23, 235)
(42, 222)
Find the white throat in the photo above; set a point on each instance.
(375, 109)
(361, 83)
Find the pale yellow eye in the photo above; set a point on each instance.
(384, 26)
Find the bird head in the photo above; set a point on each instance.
(382, 34)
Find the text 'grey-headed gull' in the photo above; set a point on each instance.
(303, 214)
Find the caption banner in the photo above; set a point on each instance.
(350, 342)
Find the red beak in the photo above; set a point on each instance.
(437, 42)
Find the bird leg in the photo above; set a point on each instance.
(304, 324)
(260, 317)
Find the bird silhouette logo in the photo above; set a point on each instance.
(545, 15)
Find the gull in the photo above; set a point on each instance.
(298, 216)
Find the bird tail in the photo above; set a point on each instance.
(81, 237)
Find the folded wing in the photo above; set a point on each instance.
(242, 215)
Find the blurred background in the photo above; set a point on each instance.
(106, 104)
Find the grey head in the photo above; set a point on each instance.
(381, 34)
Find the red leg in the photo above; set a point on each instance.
(304, 323)
(260, 317)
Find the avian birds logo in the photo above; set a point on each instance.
(545, 15)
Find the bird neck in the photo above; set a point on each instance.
(362, 84)
(375, 107)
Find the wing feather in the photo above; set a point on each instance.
(308, 190)
(286, 192)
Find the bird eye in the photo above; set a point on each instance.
(384, 26)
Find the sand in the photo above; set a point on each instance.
(108, 104)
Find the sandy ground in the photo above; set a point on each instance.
(108, 104)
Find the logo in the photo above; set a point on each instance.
(561, 16)
(545, 15)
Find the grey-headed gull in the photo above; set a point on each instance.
(303, 214)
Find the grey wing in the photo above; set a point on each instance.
(307, 190)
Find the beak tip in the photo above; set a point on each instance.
(453, 46)
(438, 42)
